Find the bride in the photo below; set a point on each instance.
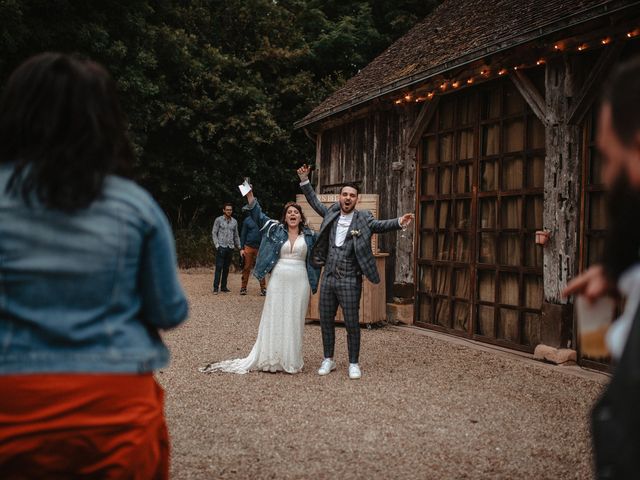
(285, 251)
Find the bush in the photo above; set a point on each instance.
(194, 248)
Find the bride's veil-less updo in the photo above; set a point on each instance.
(303, 219)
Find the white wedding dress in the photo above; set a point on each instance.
(279, 343)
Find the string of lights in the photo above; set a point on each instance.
(486, 73)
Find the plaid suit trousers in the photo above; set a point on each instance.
(344, 291)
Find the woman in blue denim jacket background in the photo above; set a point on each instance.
(285, 253)
(87, 280)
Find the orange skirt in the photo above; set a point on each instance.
(82, 425)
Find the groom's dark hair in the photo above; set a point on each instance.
(352, 185)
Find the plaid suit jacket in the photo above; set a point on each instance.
(363, 222)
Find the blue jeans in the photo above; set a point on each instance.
(223, 260)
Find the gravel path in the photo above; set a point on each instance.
(424, 409)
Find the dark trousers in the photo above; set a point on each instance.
(345, 292)
(250, 255)
(223, 260)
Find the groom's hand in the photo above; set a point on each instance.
(405, 220)
(303, 172)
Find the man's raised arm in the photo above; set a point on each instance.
(307, 189)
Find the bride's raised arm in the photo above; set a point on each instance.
(255, 210)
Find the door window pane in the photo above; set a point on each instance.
(427, 215)
(535, 172)
(490, 140)
(487, 253)
(533, 212)
(509, 289)
(460, 315)
(443, 312)
(514, 136)
(425, 279)
(485, 321)
(444, 215)
(445, 181)
(461, 247)
(463, 214)
(443, 281)
(488, 213)
(430, 150)
(486, 286)
(508, 325)
(533, 291)
(510, 249)
(444, 246)
(426, 245)
(465, 144)
(488, 176)
(428, 181)
(464, 175)
(425, 309)
(491, 104)
(446, 148)
(511, 210)
(463, 284)
(513, 173)
(536, 133)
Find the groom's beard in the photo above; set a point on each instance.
(622, 240)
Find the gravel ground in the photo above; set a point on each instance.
(425, 408)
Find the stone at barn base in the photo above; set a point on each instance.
(400, 313)
(559, 356)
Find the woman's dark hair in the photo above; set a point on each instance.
(62, 126)
(303, 219)
(622, 94)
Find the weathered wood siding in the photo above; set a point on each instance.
(374, 151)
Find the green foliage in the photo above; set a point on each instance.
(211, 87)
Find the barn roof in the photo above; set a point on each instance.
(456, 33)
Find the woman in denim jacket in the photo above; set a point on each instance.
(87, 281)
(285, 252)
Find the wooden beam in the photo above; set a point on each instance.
(531, 95)
(593, 83)
(424, 117)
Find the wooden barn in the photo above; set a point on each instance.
(481, 120)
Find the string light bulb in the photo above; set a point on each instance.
(484, 72)
(443, 85)
(398, 101)
(470, 80)
(541, 61)
(407, 97)
(605, 41)
(583, 47)
(502, 71)
(455, 84)
(430, 95)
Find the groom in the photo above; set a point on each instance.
(344, 249)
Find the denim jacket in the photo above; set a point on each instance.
(87, 291)
(274, 235)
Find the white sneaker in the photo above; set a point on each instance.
(327, 366)
(354, 371)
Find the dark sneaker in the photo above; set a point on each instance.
(243, 291)
(215, 291)
(263, 292)
(225, 290)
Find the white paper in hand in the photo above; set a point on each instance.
(244, 188)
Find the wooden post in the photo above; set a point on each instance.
(561, 200)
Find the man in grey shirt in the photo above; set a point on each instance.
(225, 238)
